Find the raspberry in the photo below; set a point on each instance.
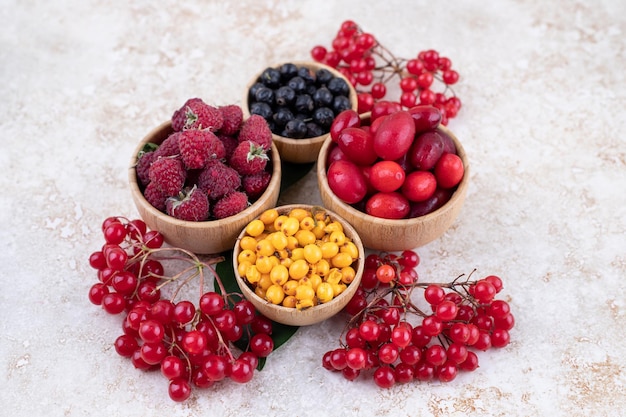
(230, 143)
(230, 205)
(190, 205)
(143, 167)
(254, 185)
(217, 180)
(233, 118)
(249, 158)
(168, 174)
(196, 114)
(154, 196)
(256, 129)
(169, 147)
(198, 146)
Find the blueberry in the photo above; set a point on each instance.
(338, 86)
(288, 71)
(282, 116)
(313, 130)
(324, 117)
(307, 75)
(341, 103)
(322, 97)
(295, 129)
(323, 76)
(264, 95)
(297, 84)
(262, 109)
(304, 104)
(270, 77)
(254, 88)
(284, 96)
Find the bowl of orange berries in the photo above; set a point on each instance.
(204, 174)
(298, 264)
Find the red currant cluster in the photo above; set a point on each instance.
(191, 344)
(370, 67)
(381, 341)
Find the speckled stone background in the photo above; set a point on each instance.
(543, 87)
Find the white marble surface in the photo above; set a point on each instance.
(543, 88)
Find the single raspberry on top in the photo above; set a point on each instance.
(256, 129)
(233, 118)
(197, 147)
(218, 179)
(168, 175)
(230, 205)
(155, 196)
(196, 114)
(191, 204)
(249, 158)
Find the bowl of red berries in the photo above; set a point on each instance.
(397, 175)
(201, 176)
(299, 101)
(298, 264)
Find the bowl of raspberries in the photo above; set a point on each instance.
(201, 176)
(299, 101)
(397, 175)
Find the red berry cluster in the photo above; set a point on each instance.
(370, 67)
(211, 166)
(383, 341)
(193, 344)
(396, 164)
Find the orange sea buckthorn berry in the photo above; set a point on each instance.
(289, 287)
(290, 226)
(246, 255)
(334, 276)
(242, 267)
(339, 288)
(338, 237)
(280, 220)
(341, 260)
(333, 226)
(264, 264)
(318, 230)
(307, 223)
(297, 253)
(329, 249)
(274, 294)
(312, 253)
(290, 301)
(325, 292)
(351, 249)
(299, 213)
(269, 216)
(278, 240)
(315, 281)
(292, 243)
(264, 281)
(247, 242)
(259, 292)
(252, 274)
(298, 269)
(305, 237)
(255, 228)
(264, 247)
(279, 275)
(347, 274)
(321, 268)
(304, 292)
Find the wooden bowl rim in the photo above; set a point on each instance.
(352, 96)
(318, 309)
(458, 193)
(136, 190)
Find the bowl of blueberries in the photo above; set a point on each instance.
(299, 101)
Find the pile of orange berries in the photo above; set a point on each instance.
(298, 258)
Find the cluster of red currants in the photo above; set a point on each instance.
(370, 68)
(191, 344)
(383, 340)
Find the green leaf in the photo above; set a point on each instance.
(281, 333)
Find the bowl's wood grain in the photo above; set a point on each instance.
(300, 151)
(208, 237)
(318, 313)
(395, 235)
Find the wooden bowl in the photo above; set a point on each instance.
(207, 237)
(304, 150)
(315, 314)
(395, 235)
